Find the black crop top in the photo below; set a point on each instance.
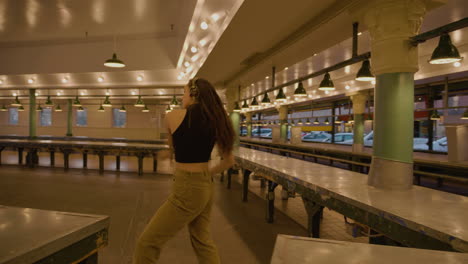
(193, 140)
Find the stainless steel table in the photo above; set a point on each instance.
(39, 236)
(293, 250)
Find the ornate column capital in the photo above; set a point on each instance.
(359, 102)
(391, 23)
(283, 112)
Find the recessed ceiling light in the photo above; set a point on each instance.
(179, 78)
(315, 54)
(30, 80)
(193, 49)
(456, 64)
(107, 93)
(139, 78)
(15, 94)
(373, 82)
(36, 94)
(133, 93)
(1, 81)
(326, 92)
(194, 58)
(359, 33)
(215, 17)
(267, 77)
(204, 25)
(347, 87)
(202, 42)
(186, 64)
(58, 94)
(64, 80)
(286, 68)
(100, 79)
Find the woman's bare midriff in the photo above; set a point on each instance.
(192, 167)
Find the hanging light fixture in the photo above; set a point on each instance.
(101, 108)
(107, 102)
(245, 105)
(326, 121)
(80, 109)
(445, 52)
(300, 122)
(307, 122)
(316, 121)
(435, 115)
(21, 108)
(300, 91)
(254, 103)
(364, 74)
(465, 115)
(58, 108)
(174, 101)
(114, 62)
(123, 109)
(338, 120)
(39, 108)
(281, 97)
(351, 119)
(145, 109)
(139, 102)
(76, 102)
(48, 102)
(3, 109)
(237, 108)
(168, 109)
(16, 102)
(326, 84)
(266, 100)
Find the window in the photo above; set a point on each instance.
(120, 118)
(13, 112)
(82, 117)
(46, 117)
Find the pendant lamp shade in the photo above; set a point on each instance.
(465, 115)
(48, 102)
(80, 109)
(21, 108)
(76, 102)
(300, 91)
(168, 109)
(307, 122)
(107, 102)
(266, 99)
(114, 62)
(326, 121)
(236, 107)
(16, 102)
(123, 109)
(145, 109)
(364, 74)
(3, 109)
(435, 115)
(58, 108)
(39, 108)
(101, 109)
(139, 102)
(174, 101)
(281, 97)
(254, 102)
(445, 52)
(316, 121)
(245, 105)
(326, 84)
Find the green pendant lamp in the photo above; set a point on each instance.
(364, 74)
(168, 109)
(123, 109)
(351, 119)
(76, 102)
(316, 121)
(48, 102)
(254, 103)
(174, 102)
(435, 115)
(281, 97)
(326, 84)
(266, 100)
(300, 91)
(300, 122)
(369, 117)
(307, 122)
(237, 108)
(58, 108)
(21, 108)
(245, 105)
(101, 108)
(445, 52)
(326, 121)
(145, 109)
(338, 120)
(3, 109)
(80, 109)
(139, 102)
(107, 102)
(16, 102)
(114, 62)
(39, 108)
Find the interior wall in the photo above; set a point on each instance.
(139, 125)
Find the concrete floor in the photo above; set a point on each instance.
(239, 229)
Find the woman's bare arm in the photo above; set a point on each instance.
(167, 154)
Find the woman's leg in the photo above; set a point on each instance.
(168, 220)
(200, 236)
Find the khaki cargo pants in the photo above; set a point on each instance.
(188, 204)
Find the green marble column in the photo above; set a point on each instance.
(235, 119)
(248, 119)
(69, 118)
(32, 113)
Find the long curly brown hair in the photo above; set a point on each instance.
(205, 94)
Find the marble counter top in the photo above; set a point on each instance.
(438, 214)
(292, 250)
(28, 235)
